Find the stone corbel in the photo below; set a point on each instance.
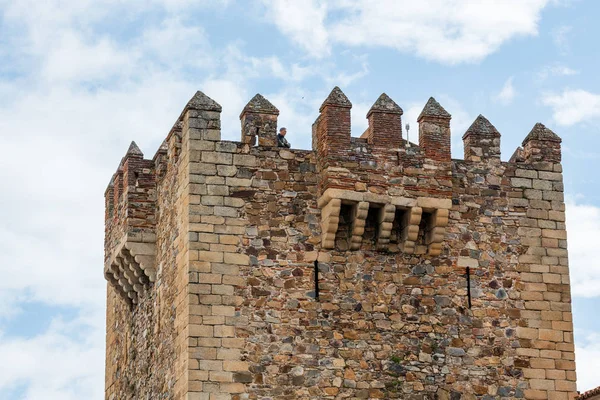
(132, 268)
(126, 287)
(113, 276)
(359, 218)
(126, 272)
(144, 256)
(386, 220)
(410, 229)
(330, 219)
(437, 230)
(140, 277)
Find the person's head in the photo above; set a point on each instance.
(282, 131)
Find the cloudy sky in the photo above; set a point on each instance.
(80, 79)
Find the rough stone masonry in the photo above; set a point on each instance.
(366, 268)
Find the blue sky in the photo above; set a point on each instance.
(80, 79)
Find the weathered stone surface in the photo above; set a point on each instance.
(540, 132)
(134, 150)
(258, 104)
(336, 98)
(200, 101)
(385, 104)
(482, 141)
(437, 278)
(481, 127)
(542, 146)
(433, 109)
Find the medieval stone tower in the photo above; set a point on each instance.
(366, 268)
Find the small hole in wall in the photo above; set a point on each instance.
(398, 226)
(372, 224)
(424, 226)
(468, 276)
(344, 231)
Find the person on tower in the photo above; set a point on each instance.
(281, 140)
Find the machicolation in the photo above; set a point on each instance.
(367, 268)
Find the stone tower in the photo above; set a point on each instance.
(366, 268)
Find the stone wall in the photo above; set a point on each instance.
(437, 278)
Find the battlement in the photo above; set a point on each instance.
(380, 171)
(257, 270)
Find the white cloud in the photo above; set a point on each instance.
(583, 228)
(74, 61)
(240, 66)
(359, 120)
(175, 44)
(303, 22)
(507, 93)
(587, 354)
(232, 96)
(411, 113)
(344, 79)
(64, 363)
(463, 32)
(573, 106)
(560, 37)
(66, 42)
(555, 70)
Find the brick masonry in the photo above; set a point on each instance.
(437, 278)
